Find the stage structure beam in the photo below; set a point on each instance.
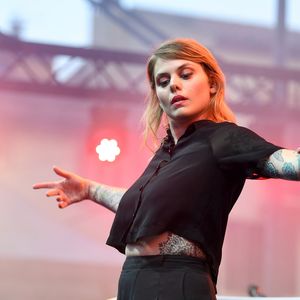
(93, 73)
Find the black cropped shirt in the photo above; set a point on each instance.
(190, 188)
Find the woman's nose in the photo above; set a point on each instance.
(175, 84)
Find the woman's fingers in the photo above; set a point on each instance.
(62, 172)
(44, 185)
(62, 204)
(62, 200)
(53, 192)
(50, 185)
(57, 188)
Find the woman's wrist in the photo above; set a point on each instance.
(105, 195)
(93, 191)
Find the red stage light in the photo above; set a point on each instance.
(108, 150)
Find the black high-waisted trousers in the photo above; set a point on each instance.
(165, 277)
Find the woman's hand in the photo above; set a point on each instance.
(71, 189)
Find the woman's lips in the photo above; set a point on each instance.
(177, 98)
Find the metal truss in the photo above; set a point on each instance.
(78, 72)
(258, 89)
(97, 73)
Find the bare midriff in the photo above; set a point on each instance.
(166, 243)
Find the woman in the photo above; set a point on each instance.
(171, 222)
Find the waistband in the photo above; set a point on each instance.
(167, 261)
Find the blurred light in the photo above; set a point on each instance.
(108, 150)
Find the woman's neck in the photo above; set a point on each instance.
(177, 132)
(178, 129)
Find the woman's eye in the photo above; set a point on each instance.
(163, 82)
(186, 75)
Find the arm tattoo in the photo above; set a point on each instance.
(278, 155)
(283, 164)
(270, 170)
(289, 171)
(107, 196)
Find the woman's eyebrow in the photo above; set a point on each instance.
(185, 65)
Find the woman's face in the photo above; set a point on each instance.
(183, 89)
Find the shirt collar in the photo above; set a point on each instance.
(168, 142)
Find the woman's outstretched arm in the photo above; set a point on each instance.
(283, 163)
(73, 189)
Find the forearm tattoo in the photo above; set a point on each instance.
(176, 245)
(278, 155)
(283, 164)
(107, 196)
(289, 171)
(269, 170)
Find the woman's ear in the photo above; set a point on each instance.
(212, 85)
(213, 88)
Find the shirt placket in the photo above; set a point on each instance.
(141, 189)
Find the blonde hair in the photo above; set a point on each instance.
(190, 50)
